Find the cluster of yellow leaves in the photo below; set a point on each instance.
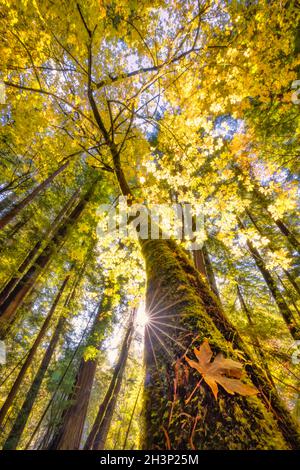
(90, 353)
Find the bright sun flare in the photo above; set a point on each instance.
(142, 317)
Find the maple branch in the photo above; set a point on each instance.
(69, 53)
(142, 38)
(115, 153)
(153, 68)
(48, 93)
(83, 21)
(30, 57)
(127, 130)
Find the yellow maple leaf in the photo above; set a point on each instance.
(222, 371)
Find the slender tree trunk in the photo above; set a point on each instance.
(284, 309)
(289, 276)
(98, 434)
(29, 259)
(210, 272)
(204, 266)
(256, 343)
(15, 228)
(131, 418)
(28, 361)
(5, 202)
(28, 199)
(232, 422)
(17, 295)
(288, 234)
(289, 294)
(284, 229)
(70, 432)
(292, 280)
(199, 261)
(102, 433)
(54, 341)
(16, 432)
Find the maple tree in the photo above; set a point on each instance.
(164, 102)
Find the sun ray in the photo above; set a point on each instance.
(152, 348)
(168, 325)
(170, 337)
(165, 308)
(160, 300)
(161, 342)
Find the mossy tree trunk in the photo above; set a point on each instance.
(177, 295)
(180, 298)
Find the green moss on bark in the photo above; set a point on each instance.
(193, 313)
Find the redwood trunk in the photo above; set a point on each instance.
(70, 432)
(17, 295)
(98, 434)
(28, 261)
(28, 361)
(23, 415)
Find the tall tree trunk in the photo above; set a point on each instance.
(256, 343)
(29, 259)
(98, 434)
(289, 294)
(28, 199)
(231, 422)
(5, 202)
(28, 361)
(284, 229)
(210, 272)
(58, 331)
(204, 266)
(288, 234)
(272, 248)
(283, 307)
(15, 298)
(199, 261)
(15, 434)
(70, 432)
(15, 228)
(131, 419)
(292, 280)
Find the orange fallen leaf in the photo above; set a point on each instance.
(221, 371)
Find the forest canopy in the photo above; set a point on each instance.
(117, 331)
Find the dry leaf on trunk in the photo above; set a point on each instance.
(221, 371)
